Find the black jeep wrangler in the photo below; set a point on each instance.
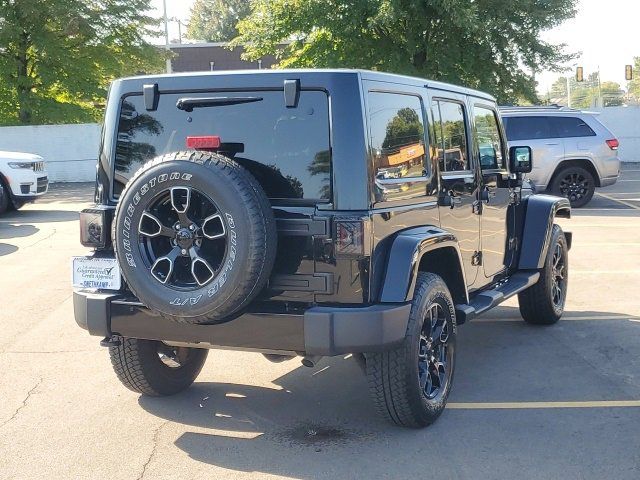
(310, 213)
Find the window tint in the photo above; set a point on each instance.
(286, 149)
(487, 136)
(571, 127)
(450, 140)
(527, 128)
(397, 135)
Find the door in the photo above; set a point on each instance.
(458, 182)
(494, 194)
(537, 132)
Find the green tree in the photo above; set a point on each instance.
(404, 129)
(216, 20)
(483, 44)
(58, 57)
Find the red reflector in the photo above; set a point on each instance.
(613, 144)
(203, 143)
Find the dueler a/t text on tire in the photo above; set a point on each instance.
(410, 384)
(195, 236)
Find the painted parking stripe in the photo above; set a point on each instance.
(604, 272)
(536, 405)
(622, 202)
(565, 318)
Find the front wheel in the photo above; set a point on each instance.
(410, 384)
(154, 368)
(543, 302)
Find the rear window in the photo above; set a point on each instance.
(571, 127)
(286, 149)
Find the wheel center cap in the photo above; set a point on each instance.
(184, 238)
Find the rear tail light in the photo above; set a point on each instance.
(207, 142)
(95, 227)
(352, 236)
(613, 143)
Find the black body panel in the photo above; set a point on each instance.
(539, 215)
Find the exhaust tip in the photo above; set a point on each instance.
(311, 360)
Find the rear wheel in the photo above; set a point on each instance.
(410, 384)
(575, 184)
(154, 368)
(543, 303)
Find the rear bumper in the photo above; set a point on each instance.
(319, 331)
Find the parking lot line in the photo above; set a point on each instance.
(533, 405)
(622, 202)
(565, 318)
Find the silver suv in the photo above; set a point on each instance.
(573, 152)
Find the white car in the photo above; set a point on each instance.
(24, 178)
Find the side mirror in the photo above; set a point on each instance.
(520, 160)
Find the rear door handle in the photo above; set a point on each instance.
(552, 144)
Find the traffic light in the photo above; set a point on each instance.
(579, 74)
(628, 72)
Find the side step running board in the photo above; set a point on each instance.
(490, 298)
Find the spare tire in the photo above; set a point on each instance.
(195, 236)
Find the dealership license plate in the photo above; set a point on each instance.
(102, 273)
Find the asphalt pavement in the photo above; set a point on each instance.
(527, 402)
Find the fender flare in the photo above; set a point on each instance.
(540, 212)
(403, 261)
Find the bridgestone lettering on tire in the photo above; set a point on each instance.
(195, 237)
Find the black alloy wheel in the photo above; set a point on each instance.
(434, 357)
(574, 183)
(183, 238)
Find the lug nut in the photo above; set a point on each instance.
(178, 227)
(192, 227)
(184, 251)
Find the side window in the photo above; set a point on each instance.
(527, 128)
(449, 137)
(571, 127)
(487, 137)
(397, 135)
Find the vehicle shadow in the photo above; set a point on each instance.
(321, 419)
(6, 249)
(11, 230)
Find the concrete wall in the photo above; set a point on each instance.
(624, 123)
(69, 150)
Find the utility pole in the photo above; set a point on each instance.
(600, 102)
(568, 93)
(166, 35)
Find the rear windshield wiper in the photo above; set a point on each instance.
(188, 104)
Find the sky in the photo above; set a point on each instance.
(604, 32)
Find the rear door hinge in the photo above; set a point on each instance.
(476, 259)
